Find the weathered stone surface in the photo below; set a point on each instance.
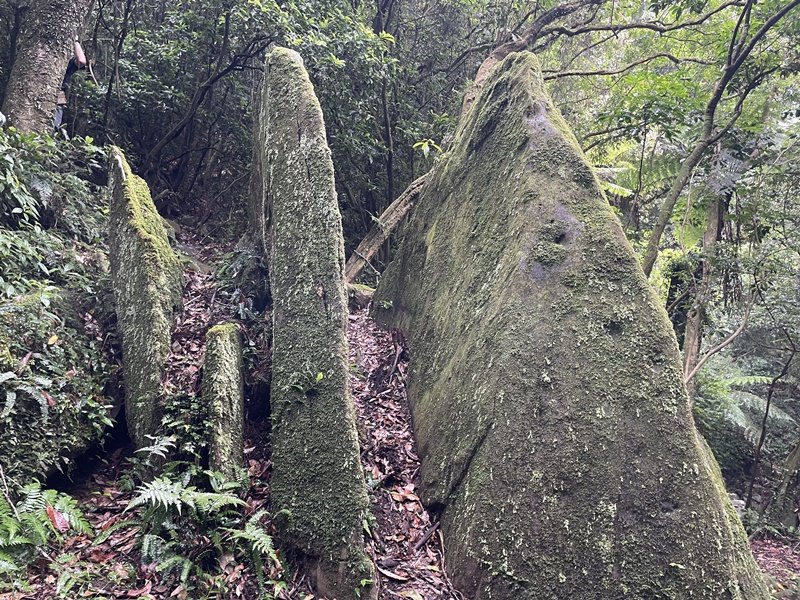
(546, 391)
(147, 279)
(224, 395)
(317, 483)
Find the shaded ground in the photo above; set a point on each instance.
(780, 561)
(405, 539)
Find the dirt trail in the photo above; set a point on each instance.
(405, 540)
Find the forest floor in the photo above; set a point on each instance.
(406, 542)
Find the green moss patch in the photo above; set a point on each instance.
(317, 484)
(148, 283)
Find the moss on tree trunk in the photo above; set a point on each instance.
(318, 484)
(546, 390)
(148, 284)
(224, 396)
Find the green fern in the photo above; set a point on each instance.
(25, 526)
(256, 536)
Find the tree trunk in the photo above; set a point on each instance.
(43, 51)
(381, 230)
(693, 338)
(781, 507)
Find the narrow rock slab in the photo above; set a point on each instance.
(317, 485)
(224, 396)
(546, 391)
(148, 283)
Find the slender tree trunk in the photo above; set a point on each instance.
(763, 435)
(380, 231)
(43, 51)
(693, 338)
(781, 506)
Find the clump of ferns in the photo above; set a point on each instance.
(33, 522)
(189, 532)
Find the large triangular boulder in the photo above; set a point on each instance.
(553, 426)
(318, 487)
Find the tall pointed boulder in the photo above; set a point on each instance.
(318, 486)
(545, 385)
(148, 284)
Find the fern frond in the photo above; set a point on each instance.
(7, 564)
(67, 506)
(210, 503)
(161, 492)
(33, 499)
(748, 380)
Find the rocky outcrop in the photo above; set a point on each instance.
(148, 282)
(224, 396)
(546, 391)
(317, 484)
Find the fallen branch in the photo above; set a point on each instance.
(424, 539)
(380, 231)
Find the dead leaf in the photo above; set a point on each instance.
(391, 575)
(58, 520)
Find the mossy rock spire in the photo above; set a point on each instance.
(223, 394)
(148, 285)
(318, 487)
(545, 384)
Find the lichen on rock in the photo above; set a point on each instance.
(148, 283)
(224, 396)
(317, 486)
(545, 384)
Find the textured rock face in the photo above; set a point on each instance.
(553, 426)
(224, 396)
(148, 283)
(317, 483)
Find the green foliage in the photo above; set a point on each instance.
(37, 521)
(190, 533)
(51, 345)
(52, 368)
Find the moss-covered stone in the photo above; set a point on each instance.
(52, 376)
(148, 284)
(224, 395)
(317, 485)
(545, 384)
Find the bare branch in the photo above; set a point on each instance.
(548, 75)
